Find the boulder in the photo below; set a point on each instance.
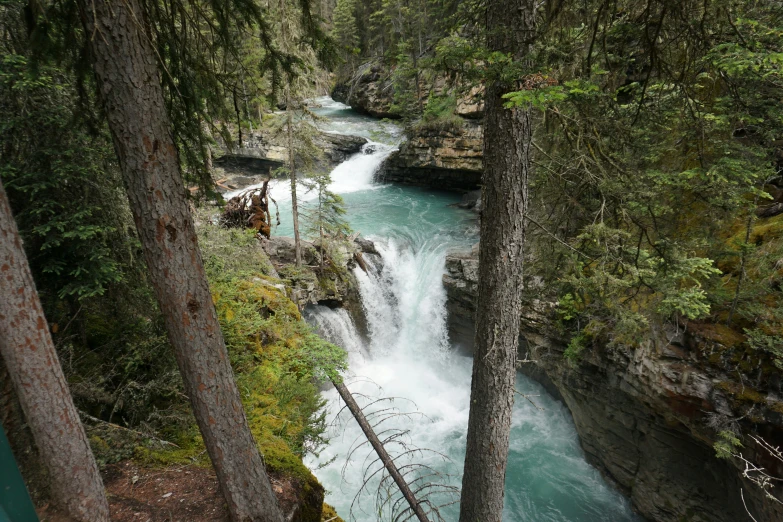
(446, 158)
(471, 200)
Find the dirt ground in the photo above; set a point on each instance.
(177, 494)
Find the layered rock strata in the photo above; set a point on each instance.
(648, 416)
(444, 158)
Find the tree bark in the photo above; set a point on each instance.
(507, 137)
(29, 355)
(129, 86)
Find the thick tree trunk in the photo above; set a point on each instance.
(29, 355)
(507, 136)
(127, 73)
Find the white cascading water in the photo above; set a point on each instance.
(352, 175)
(408, 356)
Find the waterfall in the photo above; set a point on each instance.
(408, 357)
(354, 174)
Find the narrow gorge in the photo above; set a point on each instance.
(640, 416)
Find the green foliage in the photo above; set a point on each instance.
(764, 342)
(575, 348)
(277, 358)
(404, 79)
(324, 219)
(61, 182)
(439, 114)
(652, 154)
(727, 445)
(345, 30)
(65, 190)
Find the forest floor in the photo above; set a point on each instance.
(173, 494)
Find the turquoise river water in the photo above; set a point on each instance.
(407, 356)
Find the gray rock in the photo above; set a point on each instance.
(282, 251)
(449, 158)
(369, 92)
(260, 153)
(471, 200)
(366, 246)
(645, 416)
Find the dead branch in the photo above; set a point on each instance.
(96, 420)
(388, 462)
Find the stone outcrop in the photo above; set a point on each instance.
(334, 285)
(471, 104)
(647, 416)
(262, 152)
(369, 92)
(443, 155)
(461, 283)
(448, 157)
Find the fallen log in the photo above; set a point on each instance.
(377, 445)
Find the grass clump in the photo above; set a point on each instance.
(439, 115)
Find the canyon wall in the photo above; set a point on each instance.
(647, 416)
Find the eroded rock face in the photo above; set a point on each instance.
(260, 153)
(370, 92)
(461, 283)
(646, 415)
(449, 158)
(471, 104)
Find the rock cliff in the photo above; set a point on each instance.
(647, 416)
(262, 151)
(370, 92)
(446, 157)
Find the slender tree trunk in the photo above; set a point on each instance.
(507, 136)
(127, 73)
(29, 355)
(292, 172)
(291, 156)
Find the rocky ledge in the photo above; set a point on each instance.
(262, 152)
(330, 283)
(648, 416)
(448, 157)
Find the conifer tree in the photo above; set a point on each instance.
(345, 31)
(126, 67)
(28, 352)
(325, 217)
(507, 144)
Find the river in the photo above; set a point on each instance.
(408, 357)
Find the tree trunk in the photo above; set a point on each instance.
(127, 74)
(29, 355)
(507, 137)
(292, 173)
